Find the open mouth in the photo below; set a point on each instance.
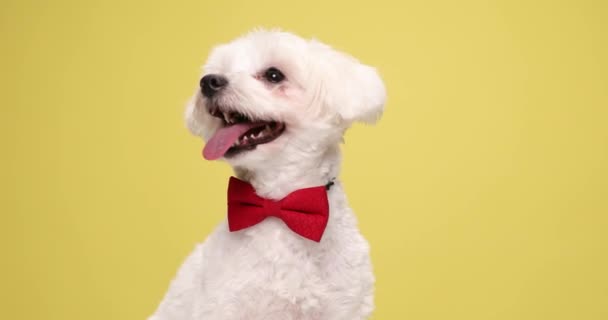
(239, 133)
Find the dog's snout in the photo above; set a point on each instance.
(212, 84)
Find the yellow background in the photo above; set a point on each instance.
(483, 190)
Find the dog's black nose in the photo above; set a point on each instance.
(212, 84)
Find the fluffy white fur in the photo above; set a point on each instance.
(267, 271)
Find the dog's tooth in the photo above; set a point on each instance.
(226, 117)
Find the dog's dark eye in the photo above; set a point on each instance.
(274, 75)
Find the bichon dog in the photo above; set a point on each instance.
(275, 107)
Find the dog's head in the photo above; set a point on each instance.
(272, 95)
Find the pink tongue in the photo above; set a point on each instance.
(224, 138)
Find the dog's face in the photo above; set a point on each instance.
(272, 95)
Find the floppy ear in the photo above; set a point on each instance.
(353, 90)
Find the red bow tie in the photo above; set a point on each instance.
(304, 211)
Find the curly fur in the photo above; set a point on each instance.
(267, 271)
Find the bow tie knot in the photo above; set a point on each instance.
(304, 211)
(272, 208)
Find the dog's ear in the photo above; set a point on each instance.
(355, 91)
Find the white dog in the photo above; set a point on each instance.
(275, 107)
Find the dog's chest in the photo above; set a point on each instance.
(268, 268)
(267, 257)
